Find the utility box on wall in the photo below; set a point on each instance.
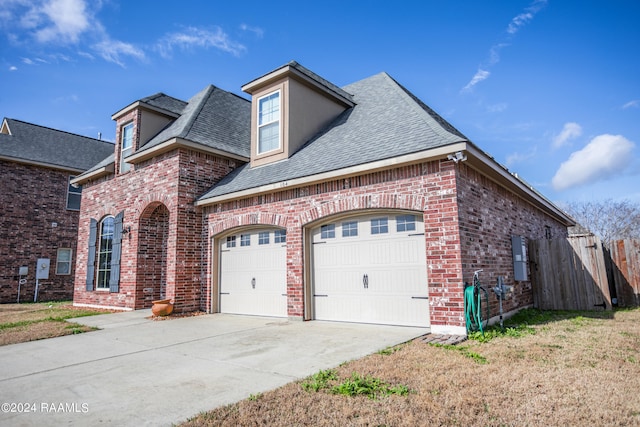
(519, 251)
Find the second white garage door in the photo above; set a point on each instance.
(253, 278)
(371, 269)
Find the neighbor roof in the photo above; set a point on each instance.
(34, 144)
(386, 122)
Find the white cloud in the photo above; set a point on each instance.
(520, 157)
(193, 37)
(477, 78)
(497, 108)
(13, 68)
(494, 52)
(114, 50)
(604, 157)
(569, 131)
(526, 16)
(632, 104)
(259, 32)
(67, 19)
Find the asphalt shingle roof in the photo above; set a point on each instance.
(166, 102)
(387, 121)
(38, 144)
(213, 118)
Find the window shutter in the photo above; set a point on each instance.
(91, 255)
(114, 278)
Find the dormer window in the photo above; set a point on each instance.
(269, 122)
(127, 146)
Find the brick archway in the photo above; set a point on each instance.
(153, 237)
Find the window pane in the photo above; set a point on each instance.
(269, 108)
(63, 268)
(379, 226)
(269, 137)
(280, 236)
(263, 238)
(245, 239)
(405, 223)
(64, 255)
(328, 231)
(231, 241)
(349, 229)
(105, 246)
(73, 202)
(127, 136)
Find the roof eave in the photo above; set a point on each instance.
(144, 105)
(94, 174)
(174, 143)
(41, 164)
(488, 166)
(431, 154)
(290, 71)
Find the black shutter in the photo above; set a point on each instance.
(114, 277)
(91, 255)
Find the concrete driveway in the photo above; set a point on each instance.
(136, 371)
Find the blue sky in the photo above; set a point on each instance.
(549, 88)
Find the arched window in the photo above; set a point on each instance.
(105, 251)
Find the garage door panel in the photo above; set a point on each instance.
(377, 275)
(253, 278)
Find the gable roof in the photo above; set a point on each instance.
(165, 102)
(387, 122)
(38, 145)
(213, 118)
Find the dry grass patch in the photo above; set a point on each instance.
(29, 322)
(565, 369)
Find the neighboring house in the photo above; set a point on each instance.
(310, 201)
(39, 208)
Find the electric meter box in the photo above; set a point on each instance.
(519, 251)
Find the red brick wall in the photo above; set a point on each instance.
(429, 188)
(489, 216)
(32, 200)
(173, 180)
(468, 222)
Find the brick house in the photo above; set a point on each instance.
(39, 210)
(309, 202)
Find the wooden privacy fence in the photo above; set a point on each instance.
(625, 271)
(579, 273)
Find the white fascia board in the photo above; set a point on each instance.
(339, 173)
(504, 174)
(94, 174)
(173, 143)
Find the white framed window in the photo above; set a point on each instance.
(269, 122)
(63, 261)
(349, 228)
(127, 146)
(105, 251)
(263, 238)
(405, 223)
(245, 239)
(280, 236)
(231, 241)
(328, 231)
(73, 196)
(379, 226)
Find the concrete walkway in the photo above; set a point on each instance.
(136, 371)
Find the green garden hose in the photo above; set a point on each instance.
(473, 308)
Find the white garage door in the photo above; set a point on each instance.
(253, 278)
(371, 269)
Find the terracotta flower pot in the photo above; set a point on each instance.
(162, 307)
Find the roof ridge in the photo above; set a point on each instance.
(57, 130)
(444, 128)
(209, 89)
